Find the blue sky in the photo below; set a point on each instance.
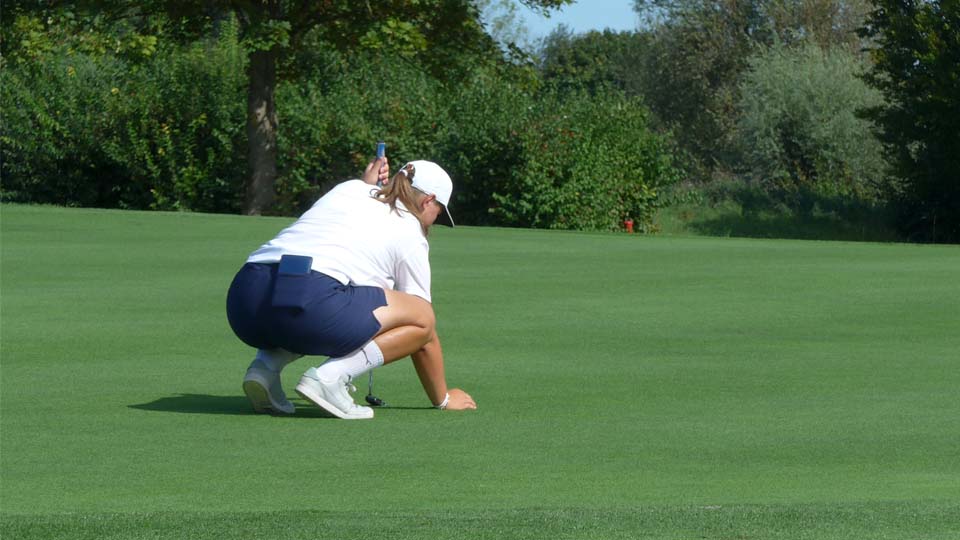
(582, 16)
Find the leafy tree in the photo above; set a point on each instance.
(830, 24)
(32, 31)
(593, 59)
(445, 35)
(503, 22)
(91, 120)
(798, 134)
(699, 50)
(917, 68)
(567, 160)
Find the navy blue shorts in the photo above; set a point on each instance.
(334, 319)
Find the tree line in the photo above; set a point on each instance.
(805, 106)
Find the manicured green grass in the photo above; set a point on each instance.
(629, 387)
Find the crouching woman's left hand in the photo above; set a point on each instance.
(460, 400)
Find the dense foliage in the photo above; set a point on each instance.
(917, 67)
(336, 114)
(520, 157)
(798, 134)
(570, 161)
(166, 131)
(84, 125)
(699, 51)
(245, 107)
(594, 60)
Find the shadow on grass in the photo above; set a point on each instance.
(198, 404)
(236, 405)
(733, 206)
(770, 225)
(730, 218)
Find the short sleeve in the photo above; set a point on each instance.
(413, 270)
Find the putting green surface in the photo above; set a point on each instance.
(629, 387)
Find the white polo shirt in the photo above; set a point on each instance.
(357, 239)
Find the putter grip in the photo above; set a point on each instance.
(381, 152)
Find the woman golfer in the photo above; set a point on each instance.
(350, 280)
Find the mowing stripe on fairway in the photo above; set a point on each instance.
(795, 381)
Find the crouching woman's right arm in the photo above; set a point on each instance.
(408, 328)
(428, 362)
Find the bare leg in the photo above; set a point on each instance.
(407, 323)
(401, 342)
(427, 357)
(408, 328)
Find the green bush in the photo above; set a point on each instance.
(481, 144)
(591, 164)
(332, 118)
(183, 138)
(555, 160)
(49, 136)
(518, 157)
(799, 136)
(165, 129)
(90, 129)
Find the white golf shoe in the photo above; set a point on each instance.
(263, 389)
(332, 396)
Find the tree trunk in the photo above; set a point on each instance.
(261, 132)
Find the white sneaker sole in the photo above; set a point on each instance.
(259, 396)
(309, 394)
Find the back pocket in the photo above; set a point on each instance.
(293, 278)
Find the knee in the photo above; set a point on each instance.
(427, 320)
(425, 323)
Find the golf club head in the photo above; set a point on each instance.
(374, 401)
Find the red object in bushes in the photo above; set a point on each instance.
(629, 225)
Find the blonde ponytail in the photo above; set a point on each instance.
(400, 188)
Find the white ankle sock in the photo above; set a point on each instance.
(276, 359)
(354, 364)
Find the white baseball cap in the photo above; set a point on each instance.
(431, 179)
